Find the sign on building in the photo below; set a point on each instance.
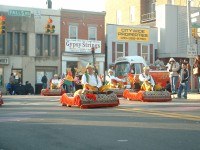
(25, 13)
(81, 46)
(133, 34)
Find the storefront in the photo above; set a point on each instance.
(78, 53)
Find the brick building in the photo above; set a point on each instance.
(80, 32)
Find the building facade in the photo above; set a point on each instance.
(168, 16)
(82, 32)
(131, 41)
(25, 48)
(137, 12)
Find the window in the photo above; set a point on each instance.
(18, 73)
(54, 50)
(38, 45)
(16, 44)
(92, 33)
(2, 44)
(73, 32)
(9, 43)
(1, 76)
(120, 51)
(119, 17)
(145, 53)
(46, 45)
(23, 44)
(132, 13)
(72, 64)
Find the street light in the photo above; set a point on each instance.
(190, 41)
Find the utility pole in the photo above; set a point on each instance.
(190, 41)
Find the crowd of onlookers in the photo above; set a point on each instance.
(182, 71)
(15, 87)
(71, 82)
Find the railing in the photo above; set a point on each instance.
(148, 17)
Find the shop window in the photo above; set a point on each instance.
(92, 33)
(73, 32)
(18, 76)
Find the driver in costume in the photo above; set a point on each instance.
(147, 80)
(91, 81)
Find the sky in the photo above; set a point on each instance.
(88, 5)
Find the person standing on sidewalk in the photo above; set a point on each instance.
(172, 68)
(184, 76)
(44, 81)
(12, 84)
(197, 74)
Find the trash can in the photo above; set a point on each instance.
(38, 88)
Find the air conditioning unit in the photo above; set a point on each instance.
(3, 61)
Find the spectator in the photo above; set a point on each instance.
(168, 87)
(184, 76)
(44, 81)
(12, 84)
(197, 72)
(172, 68)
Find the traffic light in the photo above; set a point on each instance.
(52, 28)
(49, 28)
(2, 24)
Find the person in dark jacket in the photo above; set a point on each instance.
(184, 76)
(44, 81)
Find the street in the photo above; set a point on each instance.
(34, 122)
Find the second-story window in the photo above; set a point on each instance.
(46, 45)
(46, 51)
(92, 33)
(145, 52)
(120, 51)
(14, 43)
(119, 17)
(132, 14)
(73, 32)
(2, 44)
(9, 43)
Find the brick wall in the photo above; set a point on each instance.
(82, 19)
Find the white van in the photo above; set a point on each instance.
(133, 64)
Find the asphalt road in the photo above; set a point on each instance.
(40, 123)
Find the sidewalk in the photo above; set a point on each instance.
(190, 96)
(193, 96)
